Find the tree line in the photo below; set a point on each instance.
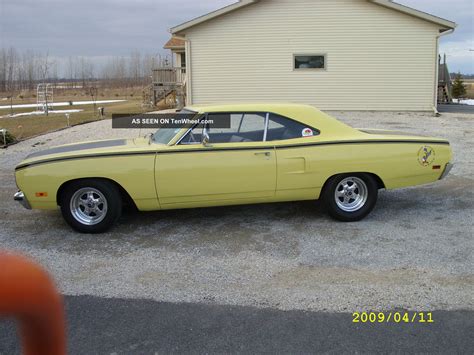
(463, 76)
(23, 70)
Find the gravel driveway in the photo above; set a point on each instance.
(415, 251)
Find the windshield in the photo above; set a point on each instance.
(165, 135)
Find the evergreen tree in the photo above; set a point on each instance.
(459, 89)
(6, 138)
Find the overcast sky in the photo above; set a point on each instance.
(104, 28)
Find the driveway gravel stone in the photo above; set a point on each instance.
(415, 251)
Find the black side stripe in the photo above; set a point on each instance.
(77, 157)
(303, 145)
(364, 142)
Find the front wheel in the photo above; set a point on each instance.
(91, 206)
(350, 197)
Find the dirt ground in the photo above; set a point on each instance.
(415, 251)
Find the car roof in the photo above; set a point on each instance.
(306, 114)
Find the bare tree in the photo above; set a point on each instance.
(3, 70)
(44, 66)
(29, 59)
(24, 70)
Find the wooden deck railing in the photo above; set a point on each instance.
(169, 76)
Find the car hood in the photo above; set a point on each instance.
(83, 149)
(78, 147)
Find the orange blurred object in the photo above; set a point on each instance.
(28, 294)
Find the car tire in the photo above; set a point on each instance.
(350, 197)
(91, 206)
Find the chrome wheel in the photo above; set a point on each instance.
(351, 194)
(88, 206)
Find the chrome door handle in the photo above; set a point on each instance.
(267, 154)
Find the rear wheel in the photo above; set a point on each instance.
(91, 206)
(350, 197)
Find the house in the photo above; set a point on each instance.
(334, 54)
(176, 45)
(169, 80)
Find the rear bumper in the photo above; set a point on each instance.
(446, 171)
(20, 197)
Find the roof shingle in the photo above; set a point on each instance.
(174, 43)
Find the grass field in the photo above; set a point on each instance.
(23, 127)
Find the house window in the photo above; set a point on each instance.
(310, 61)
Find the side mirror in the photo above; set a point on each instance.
(205, 139)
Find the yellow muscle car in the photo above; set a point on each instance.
(270, 153)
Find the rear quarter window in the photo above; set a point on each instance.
(282, 128)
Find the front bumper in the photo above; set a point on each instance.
(20, 197)
(446, 171)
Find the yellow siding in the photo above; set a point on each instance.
(377, 58)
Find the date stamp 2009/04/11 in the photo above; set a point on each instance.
(392, 317)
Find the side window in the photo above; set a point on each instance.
(253, 122)
(281, 128)
(194, 136)
(244, 127)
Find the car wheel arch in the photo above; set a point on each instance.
(127, 200)
(378, 179)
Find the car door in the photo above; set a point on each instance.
(236, 166)
(299, 172)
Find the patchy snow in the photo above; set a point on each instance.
(57, 104)
(466, 102)
(42, 113)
